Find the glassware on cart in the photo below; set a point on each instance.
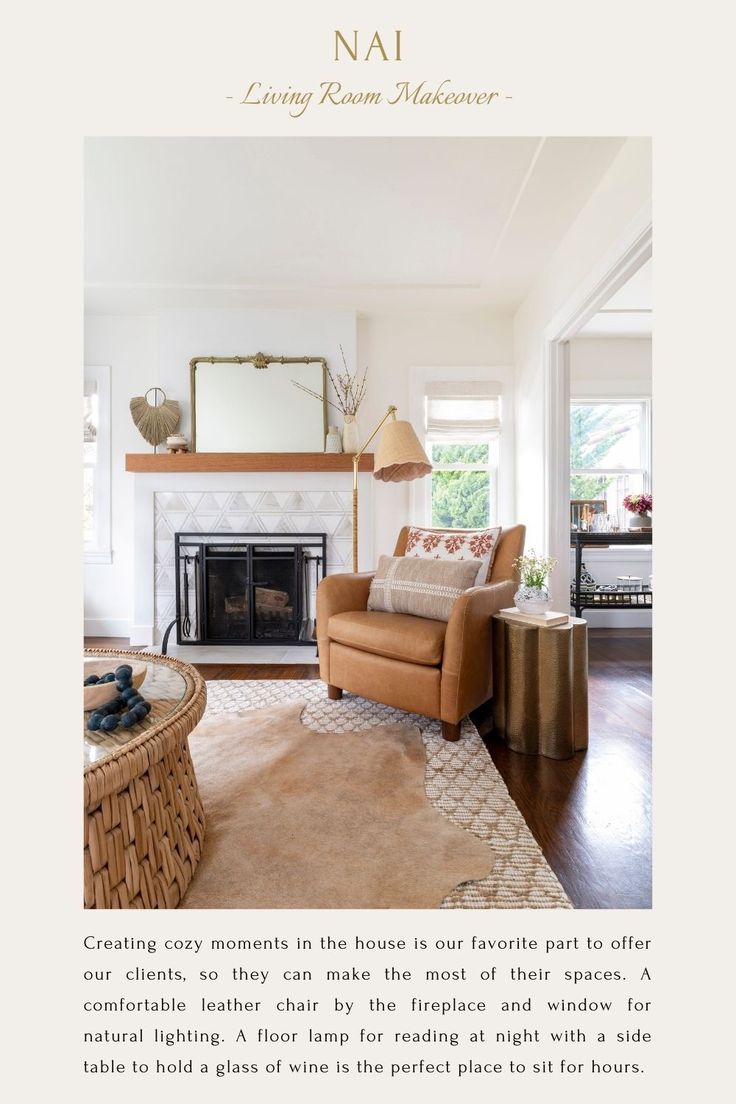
(629, 584)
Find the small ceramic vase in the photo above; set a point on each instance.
(350, 435)
(532, 599)
(640, 521)
(586, 579)
(333, 442)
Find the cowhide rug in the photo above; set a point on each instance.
(302, 819)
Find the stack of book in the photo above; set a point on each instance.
(546, 619)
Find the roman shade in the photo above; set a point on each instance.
(467, 411)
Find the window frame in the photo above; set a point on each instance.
(645, 427)
(99, 550)
(493, 442)
(421, 377)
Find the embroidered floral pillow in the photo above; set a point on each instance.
(453, 544)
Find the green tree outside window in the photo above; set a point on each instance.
(461, 499)
(594, 429)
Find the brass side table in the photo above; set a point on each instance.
(540, 686)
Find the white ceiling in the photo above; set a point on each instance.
(355, 223)
(628, 313)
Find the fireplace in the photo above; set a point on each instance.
(246, 588)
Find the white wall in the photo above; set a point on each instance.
(129, 344)
(391, 345)
(621, 365)
(155, 349)
(184, 334)
(619, 202)
(615, 205)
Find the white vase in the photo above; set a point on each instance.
(350, 435)
(532, 599)
(333, 442)
(640, 521)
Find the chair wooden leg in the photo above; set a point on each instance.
(334, 693)
(450, 731)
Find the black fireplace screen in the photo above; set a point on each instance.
(247, 588)
(228, 596)
(275, 592)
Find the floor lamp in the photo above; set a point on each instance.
(399, 457)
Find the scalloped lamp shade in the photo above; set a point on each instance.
(399, 455)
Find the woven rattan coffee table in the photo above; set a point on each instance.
(143, 822)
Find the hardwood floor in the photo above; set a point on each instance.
(258, 670)
(590, 814)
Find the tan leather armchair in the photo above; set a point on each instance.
(428, 667)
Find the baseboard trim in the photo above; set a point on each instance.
(106, 626)
(617, 619)
(619, 633)
(141, 636)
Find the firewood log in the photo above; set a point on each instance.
(267, 597)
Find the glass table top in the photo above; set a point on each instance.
(163, 687)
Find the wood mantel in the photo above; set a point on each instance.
(245, 462)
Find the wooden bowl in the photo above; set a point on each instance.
(96, 695)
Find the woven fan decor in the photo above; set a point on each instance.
(155, 423)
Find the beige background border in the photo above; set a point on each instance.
(573, 68)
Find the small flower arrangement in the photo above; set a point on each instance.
(534, 569)
(638, 504)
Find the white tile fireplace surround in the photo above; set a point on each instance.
(267, 502)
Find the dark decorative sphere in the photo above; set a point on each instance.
(109, 677)
(146, 705)
(135, 700)
(91, 680)
(124, 671)
(140, 711)
(128, 719)
(129, 693)
(95, 720)
(123, 684)
(108, 724)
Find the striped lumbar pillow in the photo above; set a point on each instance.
(424, 588)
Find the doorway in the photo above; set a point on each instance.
(591, 299)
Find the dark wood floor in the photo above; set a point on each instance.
(591, 814)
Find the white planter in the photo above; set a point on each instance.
(350, 435)
(333, 442)
(640, 521)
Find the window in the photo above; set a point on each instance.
(462, 427)
(96, 455)
(609, 456)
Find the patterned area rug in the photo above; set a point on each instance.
(461, 782)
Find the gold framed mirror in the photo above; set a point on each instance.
(250, 403)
